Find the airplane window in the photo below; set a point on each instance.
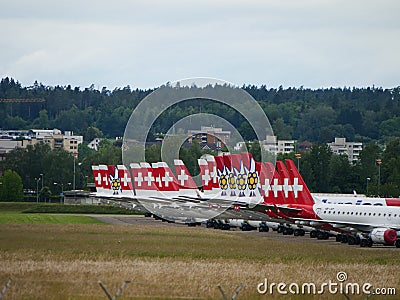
(369, 214)
(379, 214)
(356, 213)
(334, 212)
(367, 204)
(351, 212)
(389, 215)
(384, 215)
(365, 214)
(329, 212)
(374, 214)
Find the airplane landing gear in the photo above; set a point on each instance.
(397, 243)
(299, 232)
(313, 234)
(322, 235)
(287, 231)
(263, 228)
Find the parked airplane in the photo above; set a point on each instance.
(370, 224)
(232, 181)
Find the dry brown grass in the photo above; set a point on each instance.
(66, 261)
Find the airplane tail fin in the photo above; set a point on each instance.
(300, 190)
(287, 182)
(212, 166)
(125, 178)
(276, 195)
(185, 180)
(105, 183)
(206, 179)
(167, 177)
(143, 179)
(97, 178)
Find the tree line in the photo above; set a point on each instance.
(370, 115)
(360, 114)
(324, 172)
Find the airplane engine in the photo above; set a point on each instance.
(383, 236)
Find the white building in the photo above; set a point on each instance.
(275, 146)
(7, 145)
(95, 144)
(12, 139)
(351, 149)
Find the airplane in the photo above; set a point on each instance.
(367, 223)
(286, 209)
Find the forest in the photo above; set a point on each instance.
(370, 115)
(360, 114)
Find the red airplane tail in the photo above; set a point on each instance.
(287, 185)
(97, 178)
(276, 195)
(185, 180)
(125, 178)
(301, 193)
(167, 181)
(143, 179)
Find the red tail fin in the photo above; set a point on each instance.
(125, 178)
(236, 162)
(246, 158)
(206, 180)
(166, 179)
(97, 178)
(185, 180)
(300, 190)
(219, 160)
(276, 184)
(287, 182)
(143, 177)
(212, 166)
(105, 183)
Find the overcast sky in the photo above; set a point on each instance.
(143, 43)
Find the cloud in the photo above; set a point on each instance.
(310, 42)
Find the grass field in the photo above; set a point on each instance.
(65, 261)
(62, 209)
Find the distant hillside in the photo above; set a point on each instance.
(362, 114)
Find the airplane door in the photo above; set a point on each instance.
(318, 211)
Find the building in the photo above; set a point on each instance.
(6, 145)
(95, 144)
(11, 139)
(210, 137)
(275, 146)
(351, 149)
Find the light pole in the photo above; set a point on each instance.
(62, 191)
(298, 156)
(73, 184)
(368, 179)
(379, 162)
(42, 179)
(37, 189)
(74, 181)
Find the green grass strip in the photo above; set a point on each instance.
(15, 218)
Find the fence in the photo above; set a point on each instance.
(57, 289)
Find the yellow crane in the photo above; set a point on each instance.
(23, 100)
